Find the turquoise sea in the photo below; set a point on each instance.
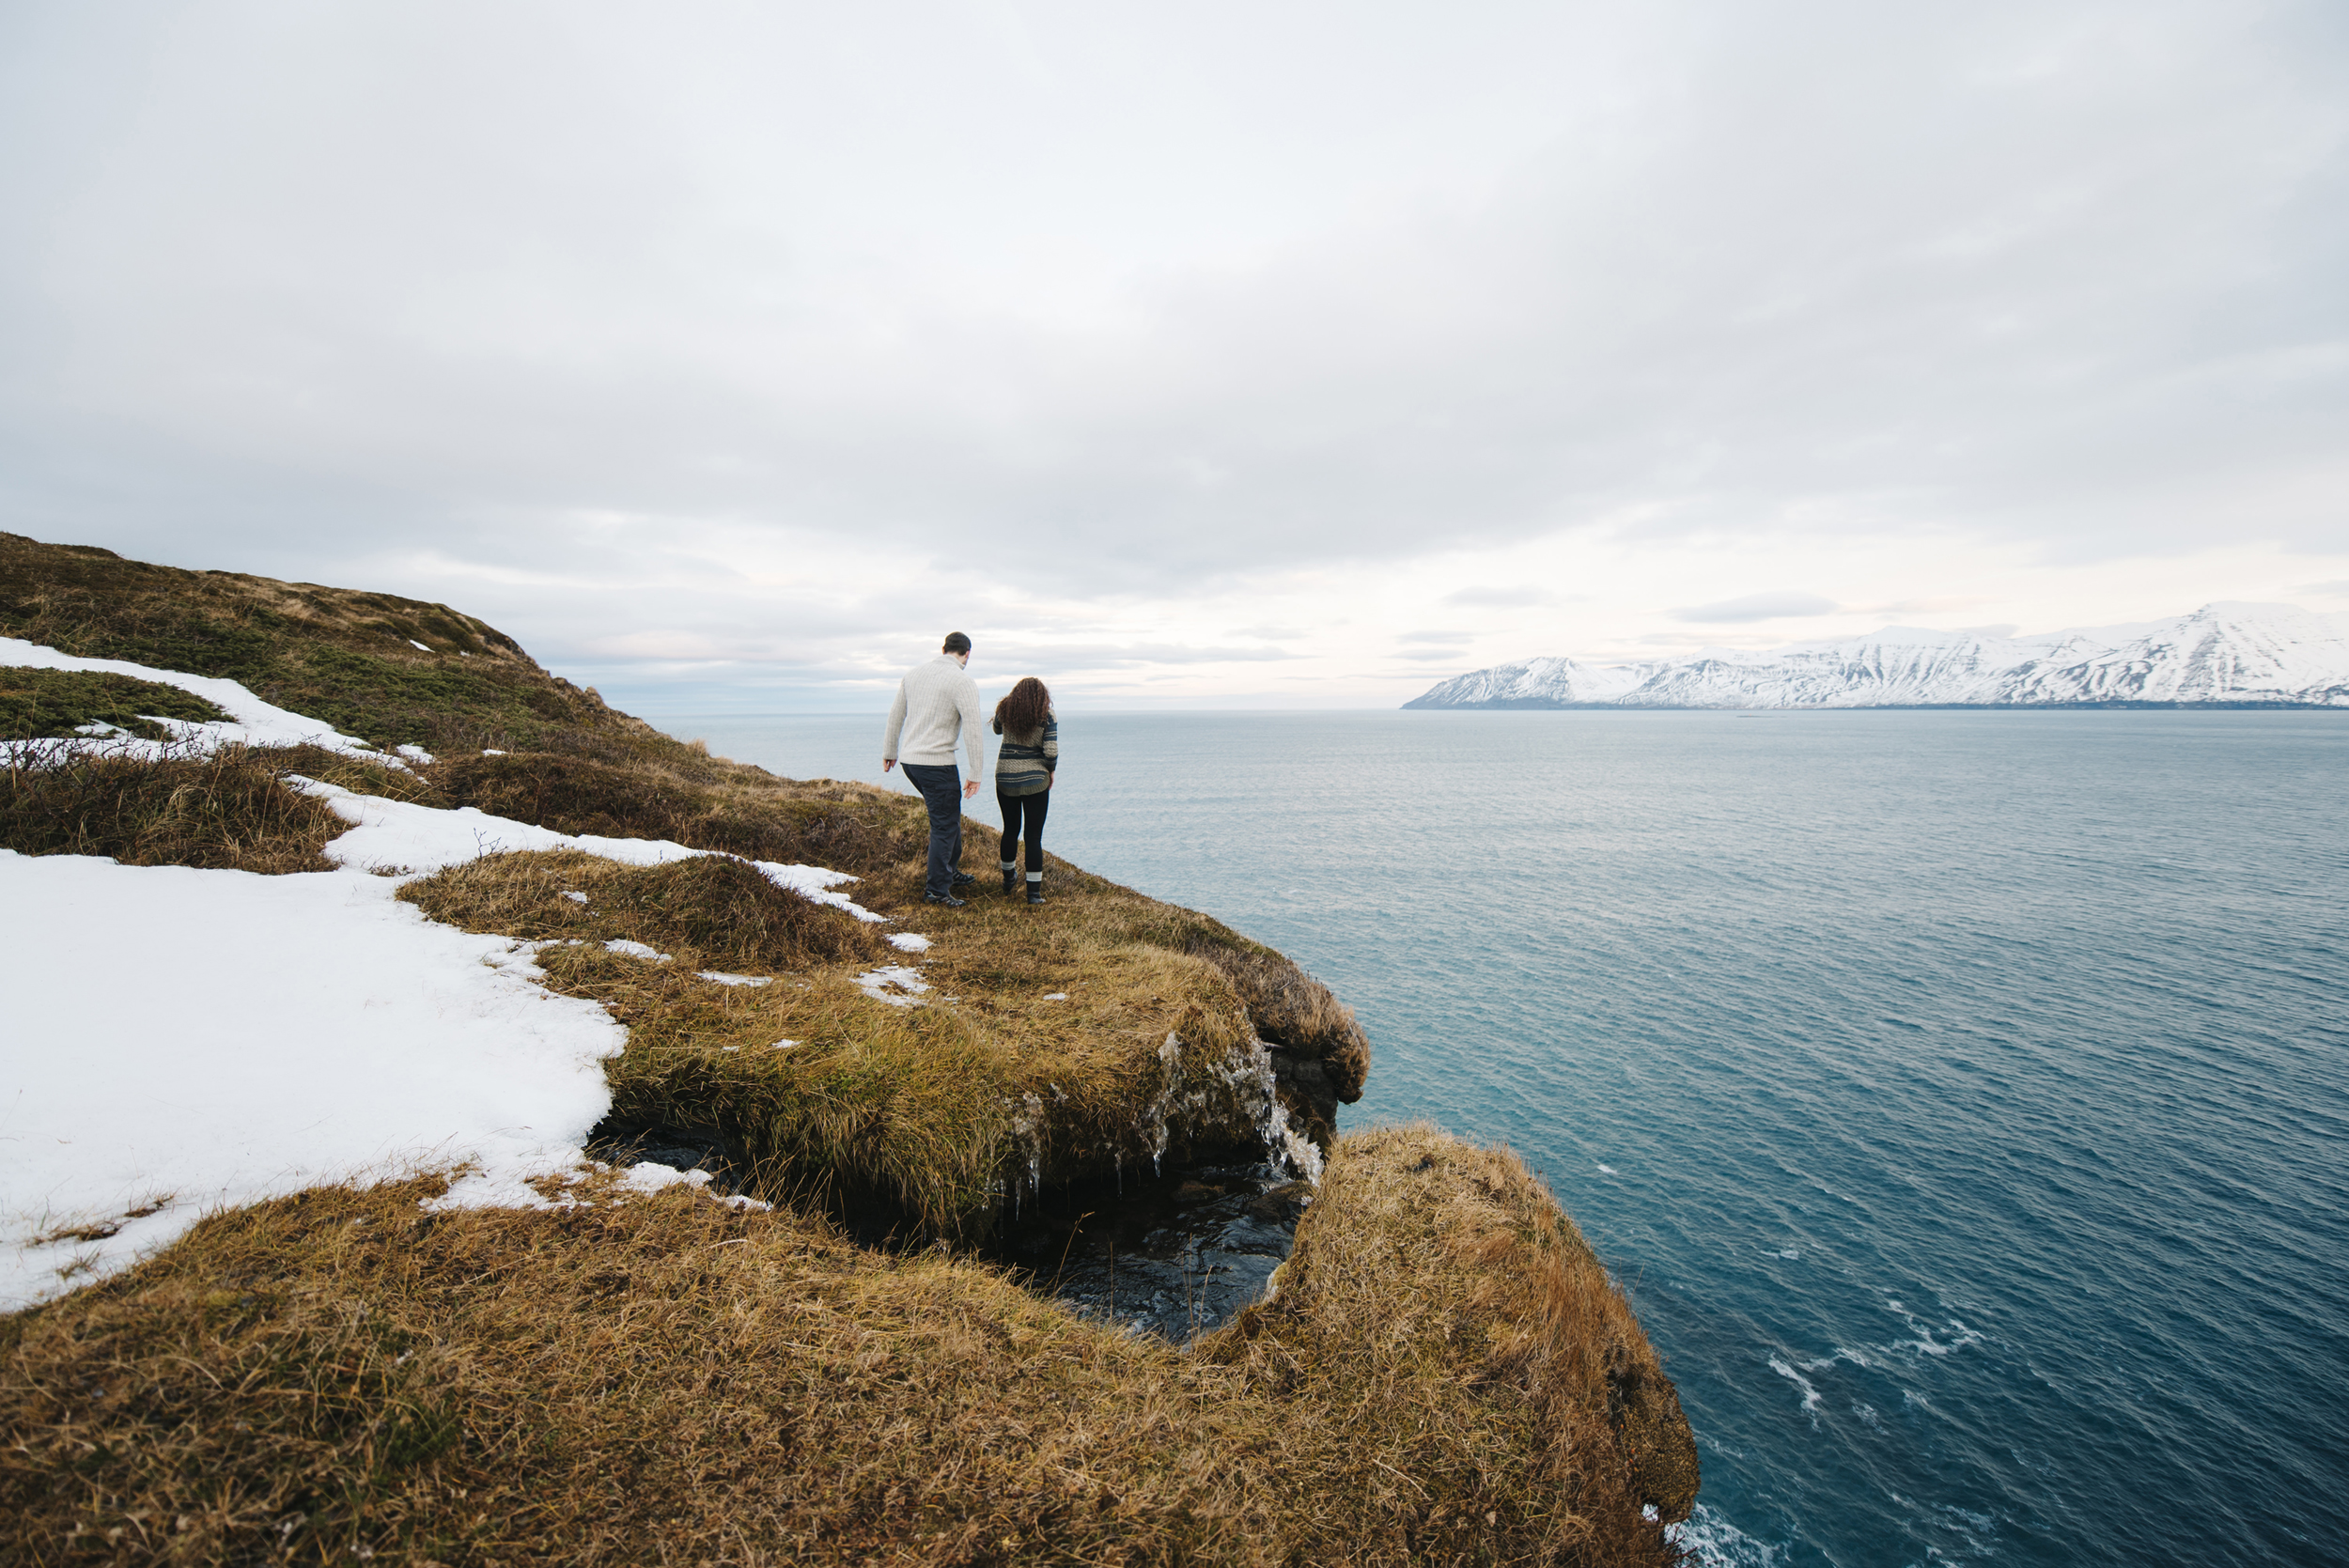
(1962, 1098)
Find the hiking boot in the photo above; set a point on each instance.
(946, 898)
(963, 878)
(1035, 891)
(1011, 878)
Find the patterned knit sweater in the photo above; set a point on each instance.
(1024, 764)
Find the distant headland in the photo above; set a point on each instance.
(2223, 655)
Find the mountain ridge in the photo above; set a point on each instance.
(2226, 653)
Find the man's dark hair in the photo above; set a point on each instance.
(955, 642)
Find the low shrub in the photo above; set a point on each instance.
(225, 809)
(48, 705)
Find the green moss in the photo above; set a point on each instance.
(46, 705)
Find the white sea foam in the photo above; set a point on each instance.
(1925, 1343)
(1712, 1542)
(1810, 1389)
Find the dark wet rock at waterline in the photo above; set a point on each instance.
(1172, 1255)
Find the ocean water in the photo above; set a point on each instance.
(1962, 1096)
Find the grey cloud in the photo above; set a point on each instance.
(2336, 588)
(1453, 638)
(1757, 607)
(275, 290)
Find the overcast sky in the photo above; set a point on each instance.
(1213, 354)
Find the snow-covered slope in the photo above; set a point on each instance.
(179, 1041)
(2220, 654)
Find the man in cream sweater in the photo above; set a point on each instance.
(936, 704)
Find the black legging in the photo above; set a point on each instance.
(1033, 807)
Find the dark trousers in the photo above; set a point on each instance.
(941, 791)
(1029, 808)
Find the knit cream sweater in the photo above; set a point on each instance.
(937, 704)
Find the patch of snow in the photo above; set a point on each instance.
(635, 950)
(905, 941)
(784, 1044)
(1056, 996)
(488, 753)
(415, 753)
(419, 647)
(251, 722)
(815, 883)
(504, 1188)
(575, 898)
(286, 1031)
(391, 832)
(736, 980)
(895, 983)
(424, 839)
(645, 1176)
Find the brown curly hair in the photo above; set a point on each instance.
(1024, 710)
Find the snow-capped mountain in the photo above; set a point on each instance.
(2268, 654)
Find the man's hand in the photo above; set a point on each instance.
(888, 763)
(970, 790)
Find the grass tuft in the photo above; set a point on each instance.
(710, 913)
(224, 810)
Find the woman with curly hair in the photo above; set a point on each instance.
(1023, 778)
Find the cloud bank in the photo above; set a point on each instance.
(776, 341)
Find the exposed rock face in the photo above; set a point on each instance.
(1643, 1407)
(1305, 1079)
(2222, 655)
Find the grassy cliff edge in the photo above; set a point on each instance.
(1443, 1373)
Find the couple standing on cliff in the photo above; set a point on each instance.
(937, 704)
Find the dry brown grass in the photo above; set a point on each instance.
(230, 809)
(1425, 1261)
(672, 1381)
